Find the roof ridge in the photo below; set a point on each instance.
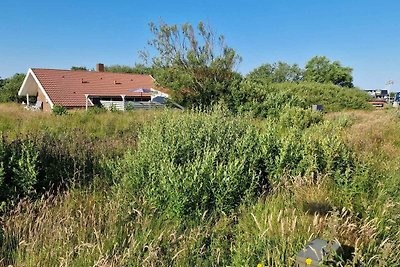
(93, 71)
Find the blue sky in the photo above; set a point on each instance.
(362, 34)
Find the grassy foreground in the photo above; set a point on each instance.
(208, 189)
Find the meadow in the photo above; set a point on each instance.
(199, 187)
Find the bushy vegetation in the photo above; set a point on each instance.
(39, 152)
(321, 70)
(9, 88)
(59, 110)
(197, 188)
(200, 163)
(279, 72)
(263, 99)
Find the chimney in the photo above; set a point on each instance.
(100, 67)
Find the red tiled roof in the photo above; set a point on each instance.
(68, 88)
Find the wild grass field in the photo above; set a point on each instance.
(197, 188)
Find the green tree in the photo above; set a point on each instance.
(79, 68)
(9, 88)
(277, 72)
(136, 69)
(2, 82)
(195, 64)
(321, 70)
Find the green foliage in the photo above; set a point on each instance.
(263, 99)
(322, 70)
(96, 110)
(79, 68)
(59, 110)
(277, 72)
(333, 98)
(197, 68)
(136, 69)
(192, 164)
(9, 88)
(24, 162)
(199, 188)
(210, 163)
(114, 109)
(41, 152)
(19, 169)
(129, 106)
(296, 117)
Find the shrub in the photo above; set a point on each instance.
(263, 99)
(113, 108)
(332, 97)
(129, 106)
(19, 169)
(96, 110)
(9, 90)
(193, 163)
(212, 162)
(298, 117)
(24, 162)
(59, 110)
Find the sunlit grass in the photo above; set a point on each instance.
(99, 223)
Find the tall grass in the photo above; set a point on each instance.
(82, 228)
(42, 151)
(208, 189)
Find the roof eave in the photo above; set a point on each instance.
(23, 86)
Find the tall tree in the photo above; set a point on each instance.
(194, 63)
(9, 89)
(277, 72)
(320, 69)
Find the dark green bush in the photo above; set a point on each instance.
(211, 162)
(32, 164)
(19, 169)
(114, 108)
(332, 97)
(25, 166)
(296, 117)
(263, 99)
(129, 106)
(59, 110)
(96, 110)
(192, 163)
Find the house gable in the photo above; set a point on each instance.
(31, 86)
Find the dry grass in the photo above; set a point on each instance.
(84, 228)
(88, 227)
(372, 131)
(14, 120)
(374, 136)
